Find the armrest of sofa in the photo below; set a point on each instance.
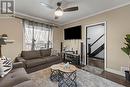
(21, 59)
(61, 56)
(17, 65)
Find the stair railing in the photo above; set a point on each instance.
(90, 45)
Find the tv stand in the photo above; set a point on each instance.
(73, 58)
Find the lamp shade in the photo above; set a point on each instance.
(58, 12)
(2, 42)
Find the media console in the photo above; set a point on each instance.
(73, 58)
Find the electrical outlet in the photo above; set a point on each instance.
(125, 68)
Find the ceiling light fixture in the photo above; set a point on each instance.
(58, 12)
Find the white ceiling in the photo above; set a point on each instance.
(86, 8)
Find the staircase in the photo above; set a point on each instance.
(96, 51)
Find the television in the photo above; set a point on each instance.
(72, 33)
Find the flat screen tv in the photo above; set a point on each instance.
(72, 33)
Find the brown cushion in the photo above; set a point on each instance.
(52, 58)
(35, 62)
(30, 54)
(15, 77)
(46, 52)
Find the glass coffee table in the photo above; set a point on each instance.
(65, 76)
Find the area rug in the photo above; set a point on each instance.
(93, 69)
(84, 79)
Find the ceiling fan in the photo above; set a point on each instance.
(59, 11)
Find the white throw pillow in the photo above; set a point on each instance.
(54, 52)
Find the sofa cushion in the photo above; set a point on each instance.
(52, 58)
(15, 77)
(45, 52)
(35, 62)
(30, 54)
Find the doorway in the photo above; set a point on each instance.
(95, 45)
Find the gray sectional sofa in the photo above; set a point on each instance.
(29, 61)
(36, 60)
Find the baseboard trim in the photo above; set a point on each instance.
(115, 71)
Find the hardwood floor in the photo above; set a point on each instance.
(111, 76)
(96, 62)
(115, 78)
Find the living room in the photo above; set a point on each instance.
(33, 30)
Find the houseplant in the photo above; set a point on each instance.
(126, 49)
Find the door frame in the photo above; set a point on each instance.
(105, 44)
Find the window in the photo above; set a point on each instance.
(37, 36)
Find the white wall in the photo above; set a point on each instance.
(13, 28)
(118, 25)
(94, 32)
(57, 39)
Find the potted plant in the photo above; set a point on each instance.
(126, 49)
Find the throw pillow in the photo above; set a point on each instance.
(45, 52)
(31, 54)
(54, 53)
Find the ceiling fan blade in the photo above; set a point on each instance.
(47, 5)
(59, 4)
(56, 17)
(71, 9)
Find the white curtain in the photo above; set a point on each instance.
(37, 35)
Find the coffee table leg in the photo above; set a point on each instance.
(56, 75)
(69, 80)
